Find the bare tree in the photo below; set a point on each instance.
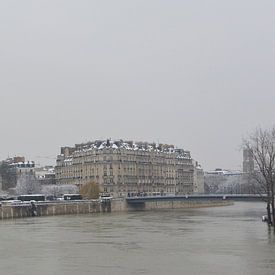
(261, 144)
(90, 190)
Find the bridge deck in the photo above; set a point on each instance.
(234, 197)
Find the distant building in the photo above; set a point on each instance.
(12, 169)
(198, 179)
(124, 168)
(21, 168)
(222, 181)
(45, 175)
(248, 161)
(224, 172)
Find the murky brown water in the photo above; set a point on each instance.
(221, 240)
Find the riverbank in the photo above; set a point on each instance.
(22, 210)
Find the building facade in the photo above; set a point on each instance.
(45, 175)
(125, 168)
(14, 169)
(248, 161)
(198, 179)
(223, 181)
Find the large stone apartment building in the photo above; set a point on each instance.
(124, 168)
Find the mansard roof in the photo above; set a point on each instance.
(131, 145)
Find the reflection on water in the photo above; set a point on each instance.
(220, 240)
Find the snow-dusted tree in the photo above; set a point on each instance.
(27, 184)
(261, 143)
(59, 190)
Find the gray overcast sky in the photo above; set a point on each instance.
(197, 74)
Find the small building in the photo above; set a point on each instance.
(45, 175)
(226, 182)
(198, 178)
(12, 169)
(248, 161)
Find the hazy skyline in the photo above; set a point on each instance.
(197, 74)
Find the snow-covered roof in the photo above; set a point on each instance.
(223, 172)
(23, 164)
(129, 145)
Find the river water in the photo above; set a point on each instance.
(218, 240)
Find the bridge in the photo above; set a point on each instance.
(187, 198)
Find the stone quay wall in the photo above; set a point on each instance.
(179, 204)
(95, 206)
